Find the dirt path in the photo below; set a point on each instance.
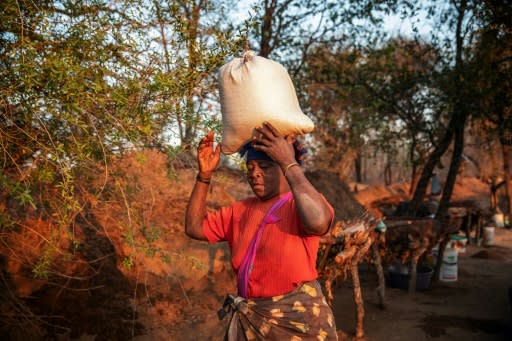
(475, 307)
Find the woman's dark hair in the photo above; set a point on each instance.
(300, 152)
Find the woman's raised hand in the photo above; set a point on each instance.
(207, 158)
(271, 142)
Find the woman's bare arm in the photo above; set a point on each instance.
(208, 159)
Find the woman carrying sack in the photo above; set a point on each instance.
(273, 238)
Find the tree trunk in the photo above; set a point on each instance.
(458, 148)
(457, 121)
(506, 146)
(358, 168)
(387, 174)
(426, 174)
(414, 179)
(414, 167)
(190, 122)
(266, 28)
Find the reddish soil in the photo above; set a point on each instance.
(175, 285)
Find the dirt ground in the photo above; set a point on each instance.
(478, 306)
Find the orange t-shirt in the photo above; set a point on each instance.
(285, 256)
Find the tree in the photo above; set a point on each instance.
(193, 41)
(61, 76)
(288, 30)
(493, 60)
(81, 83)
(456, 81)
(379, 95)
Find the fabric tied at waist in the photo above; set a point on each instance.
(232, 303)
(302, 314)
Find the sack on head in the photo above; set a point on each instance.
(254, 89)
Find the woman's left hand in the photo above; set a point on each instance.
(275, 145)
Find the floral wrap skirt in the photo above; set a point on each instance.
(301, 315)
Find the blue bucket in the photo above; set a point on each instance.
(399, 279)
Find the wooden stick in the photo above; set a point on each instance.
(358, 295)
(358, 299)
(321, 266)
(381, 288)
(345, 255)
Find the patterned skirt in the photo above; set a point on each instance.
(301, 315)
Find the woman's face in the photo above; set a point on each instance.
(265, 178)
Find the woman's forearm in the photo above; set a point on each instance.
(196, 211)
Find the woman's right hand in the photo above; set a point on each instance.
(207, 158)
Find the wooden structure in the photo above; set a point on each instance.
(340, 254)
(349, 242)
(407, 239)
(355, 239)
(468, 216)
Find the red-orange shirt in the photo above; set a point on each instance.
(286, 255)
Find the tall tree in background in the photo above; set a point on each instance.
(456, 80)
(493, 59)
(288, 30)
(377, 95)
(331, 106)
(401, 98)
(193, 40)
(82, 82)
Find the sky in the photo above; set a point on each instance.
(393, 24)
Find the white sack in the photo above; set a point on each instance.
(254, 89)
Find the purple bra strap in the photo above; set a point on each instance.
(248, 260)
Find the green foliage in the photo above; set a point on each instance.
(43, 264)
(23, 195)
(83, 82)
(372, 100)
(17, 190)
(6, 222)
(128, 262)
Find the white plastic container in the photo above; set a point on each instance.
(458, 243)
(449, 270)
(489, 235)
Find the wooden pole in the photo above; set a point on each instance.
(358, 299)
(381, 289)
